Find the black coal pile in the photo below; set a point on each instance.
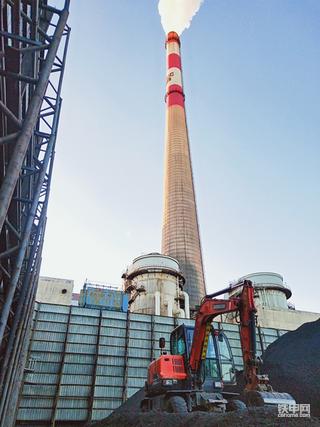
(293, 364)
(251, 417)
(129, 415)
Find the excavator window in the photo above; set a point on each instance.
(181, 346)
(223, 347)
(211, 365)
(178, 341)
(226, 359)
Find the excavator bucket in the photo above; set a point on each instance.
(262, 398)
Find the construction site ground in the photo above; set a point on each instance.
(128, 415)
(257, 417)
(292, 363)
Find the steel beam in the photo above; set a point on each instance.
(11, 177)
(10, 114)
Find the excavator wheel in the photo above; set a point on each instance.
(177, 404)
(235, 405)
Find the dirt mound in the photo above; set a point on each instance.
(293, 364)
(133, 403)
(257, 417)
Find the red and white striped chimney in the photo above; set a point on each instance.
(174, 93)
(180, 230)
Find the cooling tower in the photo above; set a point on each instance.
(180, 232)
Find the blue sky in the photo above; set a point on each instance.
(251, 76)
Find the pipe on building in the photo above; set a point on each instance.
(186, 305)
(170, 308)
(157, 303)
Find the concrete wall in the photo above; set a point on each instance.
(284, 319)
(55, 291)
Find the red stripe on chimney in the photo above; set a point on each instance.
(174, 60)
(174, 88)
(175, 96)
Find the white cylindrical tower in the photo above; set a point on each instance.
(270, 292)
(155, 284)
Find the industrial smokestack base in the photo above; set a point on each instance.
(180, 232)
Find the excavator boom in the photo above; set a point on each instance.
(257, 388)
(210, 308)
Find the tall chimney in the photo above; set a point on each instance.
(180, 229)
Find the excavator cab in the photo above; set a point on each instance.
(218, 366)
(170, 379)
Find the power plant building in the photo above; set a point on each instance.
(54, 290)
(83, 363)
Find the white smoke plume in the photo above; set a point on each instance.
(176, 15)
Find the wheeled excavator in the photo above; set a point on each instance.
(176, 381)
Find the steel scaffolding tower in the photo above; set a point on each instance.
(33, 44)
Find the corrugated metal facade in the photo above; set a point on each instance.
(83, 363)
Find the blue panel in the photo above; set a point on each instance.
(125, 302)
(108, 299)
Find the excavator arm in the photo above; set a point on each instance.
(208, 311)
(258, 390)
(247, 314)
(212, 307)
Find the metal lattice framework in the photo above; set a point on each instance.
(33, 44)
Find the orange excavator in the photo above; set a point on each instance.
(176, 381)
